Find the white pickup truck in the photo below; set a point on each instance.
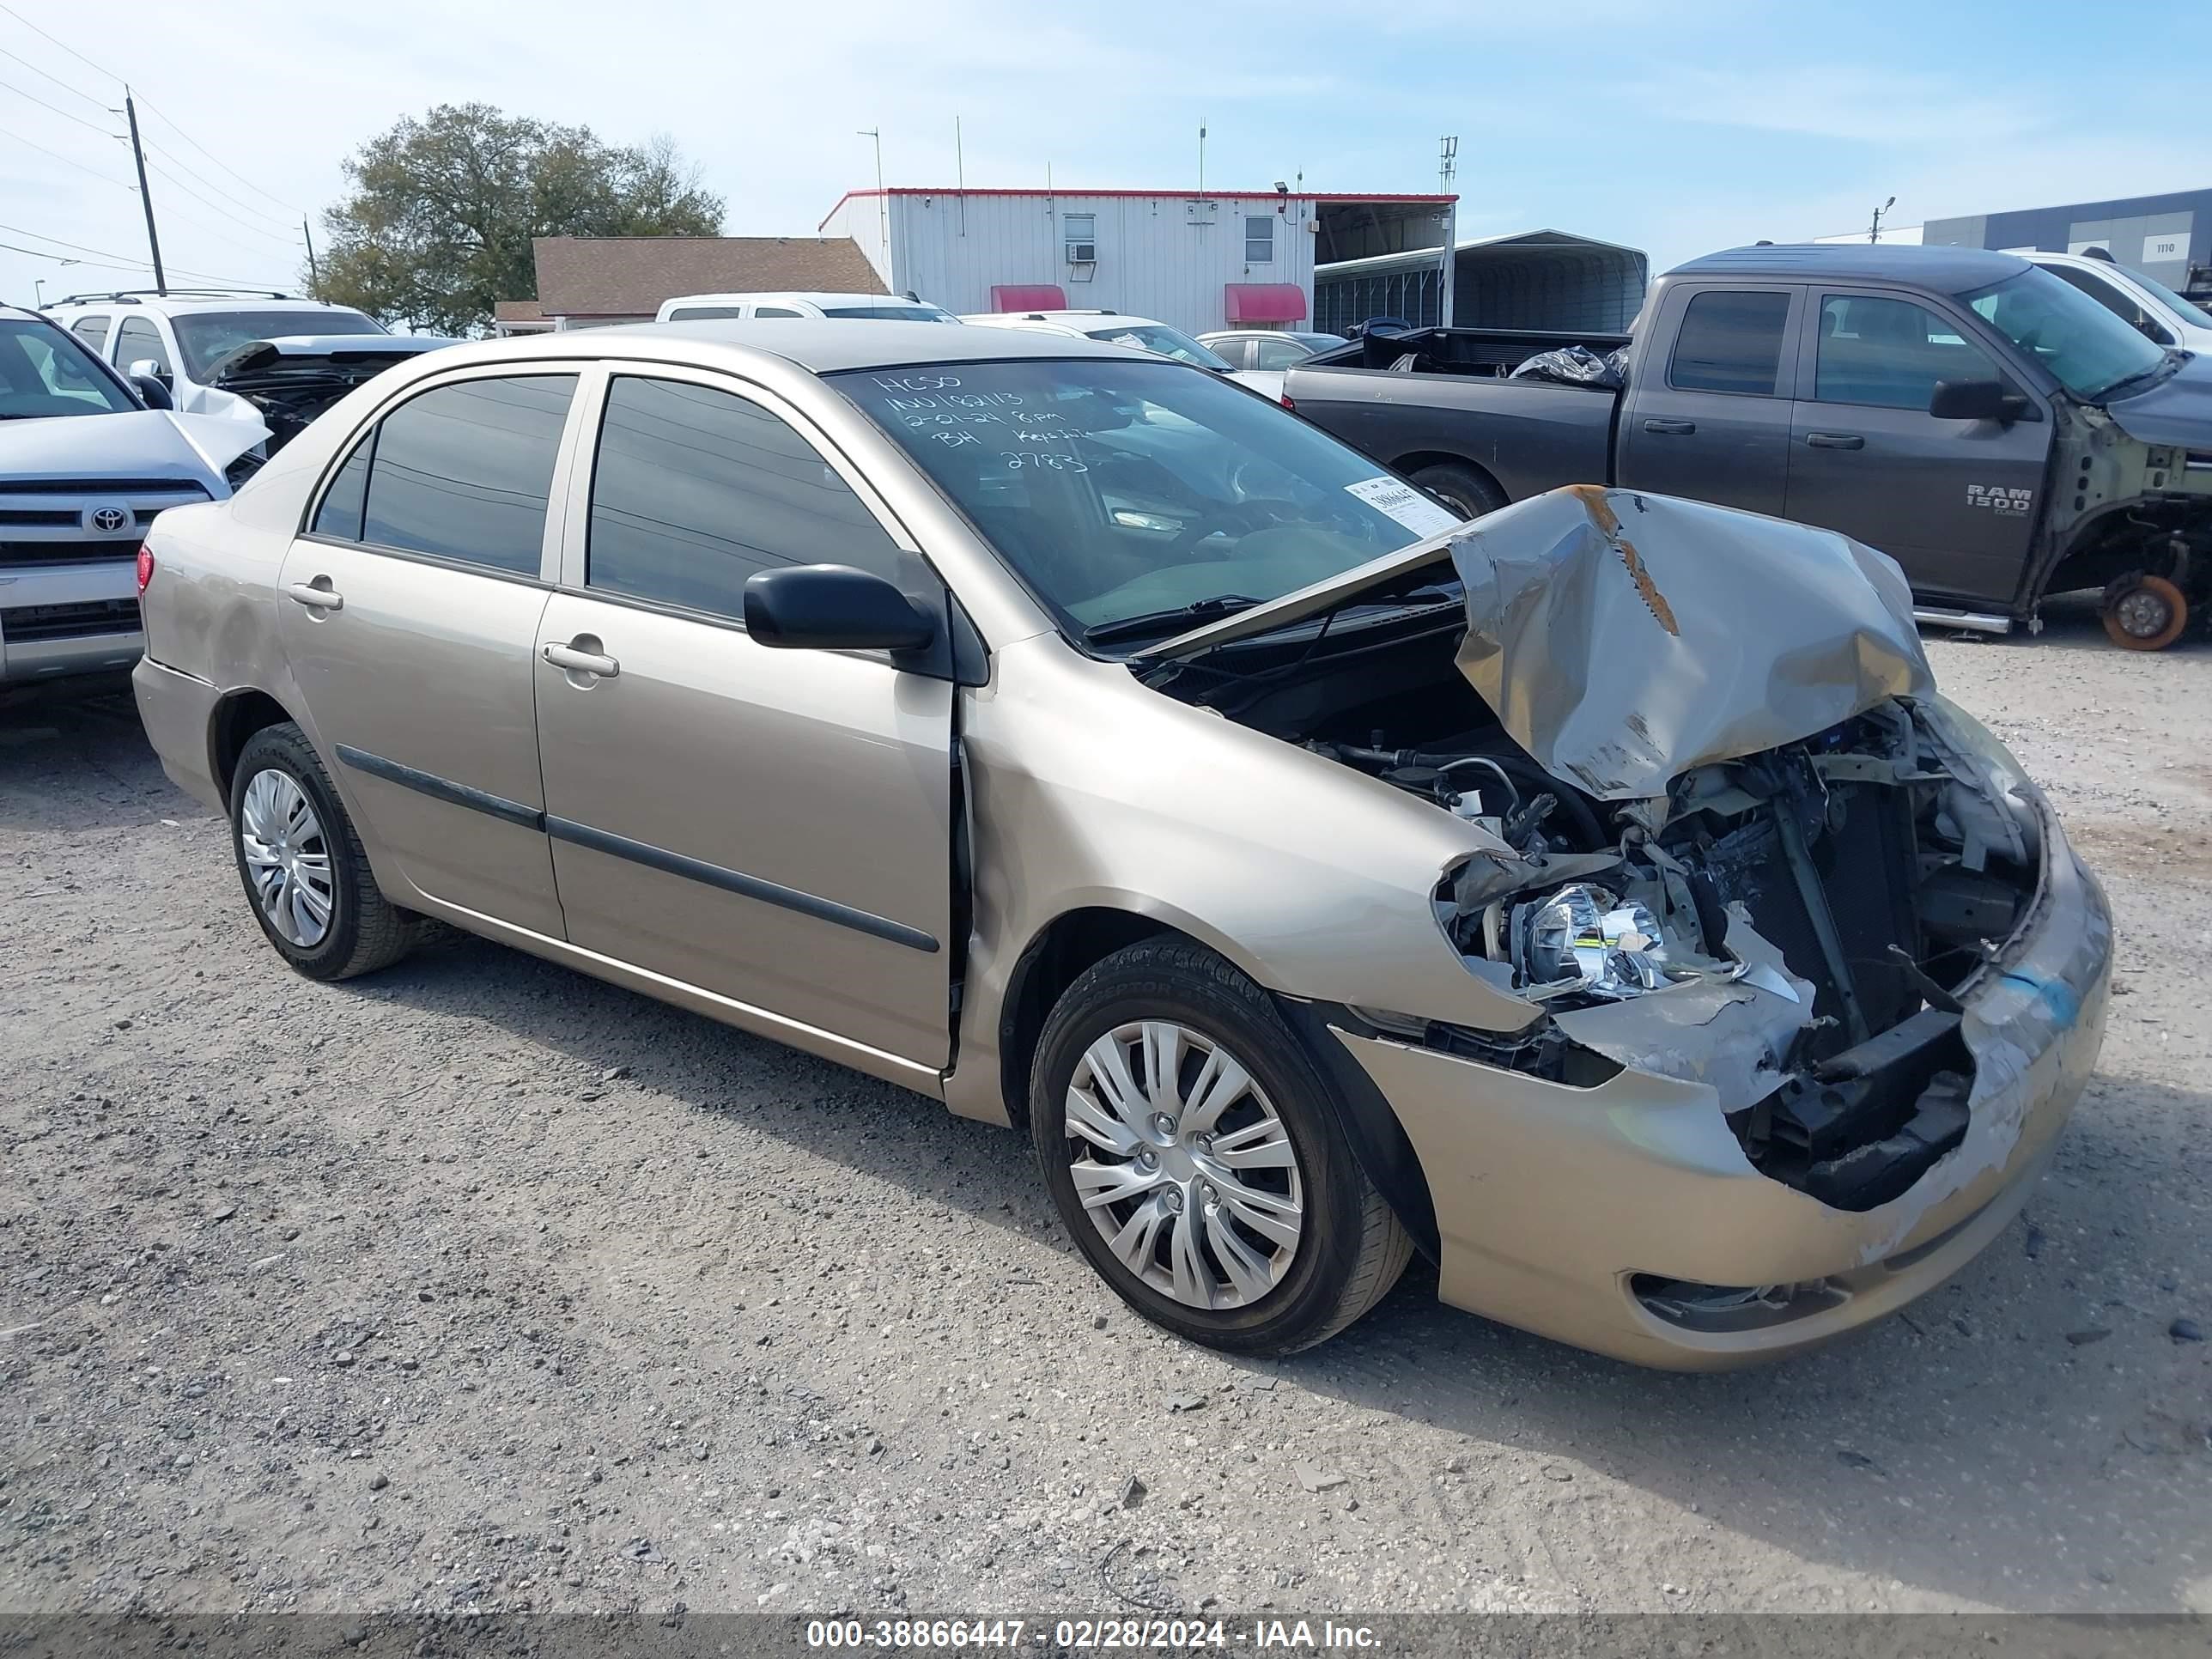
(87, 460)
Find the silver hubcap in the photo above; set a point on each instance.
(1184, 1165)
(287, 859)
(2142, 614)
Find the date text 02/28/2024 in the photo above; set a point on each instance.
(1082, 1635)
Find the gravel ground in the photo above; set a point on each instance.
(477, 1284)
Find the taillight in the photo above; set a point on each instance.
(1283, 399)
(145, 568)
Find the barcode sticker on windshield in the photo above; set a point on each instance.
(1404, 504)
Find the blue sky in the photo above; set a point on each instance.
(1676, 128)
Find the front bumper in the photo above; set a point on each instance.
(1555, 1206)
(41, 638)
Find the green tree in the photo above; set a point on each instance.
(439, 212)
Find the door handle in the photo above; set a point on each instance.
(314, 598)
(1835, 440)
(1671, 428)
(579, 661)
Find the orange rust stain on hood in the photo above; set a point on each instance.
(1592, 496)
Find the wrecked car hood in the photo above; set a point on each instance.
(2177, 411)
(346, 359)
(142, 443)
(1623, 638)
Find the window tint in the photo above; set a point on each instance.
(776, 311)
(1730, 343)
(1279, 354)
(463, 472)
(93, 331)
(1890, 353)
(694, 489)
(138, 338)
(345, 500)
(704, 314)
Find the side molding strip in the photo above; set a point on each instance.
(444, 789)
(637, 852)
(736, 881)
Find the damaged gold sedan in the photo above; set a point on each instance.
(1598, 897)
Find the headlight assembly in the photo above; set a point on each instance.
(1582, 940)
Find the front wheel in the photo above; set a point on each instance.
(2144, 612)
(1194, 1153)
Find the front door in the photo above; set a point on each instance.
(1954, 502)
(409, 613)
(1713, 422)
(774, 826)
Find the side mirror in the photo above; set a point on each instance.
(153, 389)
(145, 368)
(1975, 400)
(833, 607)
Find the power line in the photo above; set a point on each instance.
(288, 240)
(128, 264)
(58, 156)
(56, 108)
(194, 173)
(49, 75)
(171, 125)
(63, 44)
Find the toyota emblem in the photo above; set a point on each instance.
(107, 519)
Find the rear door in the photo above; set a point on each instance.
(1954, 502)
(1711, 420)
(774, 826)
(409, 612)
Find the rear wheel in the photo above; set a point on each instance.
(2144, 612)
(1462, 488)
(1192, 1149)
(306, 874)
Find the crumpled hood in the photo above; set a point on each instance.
(2178, 410)
(1623, 638)
(142, 443)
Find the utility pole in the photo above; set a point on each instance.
(145, 200)
(883, 206)
(1874, 231)
(314, 277)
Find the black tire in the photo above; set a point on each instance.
(1351, 1249)
(1462, 488)
(366, 931)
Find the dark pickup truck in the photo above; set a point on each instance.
(1998, 433)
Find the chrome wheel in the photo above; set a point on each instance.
(1184, 1165)
(288, 859)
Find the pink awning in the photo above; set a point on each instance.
(1264, 302)
(1030, 297)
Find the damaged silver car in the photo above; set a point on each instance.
(1598, 898)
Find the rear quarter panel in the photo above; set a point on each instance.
(1529, 436)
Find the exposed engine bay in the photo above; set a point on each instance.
(1793, 926)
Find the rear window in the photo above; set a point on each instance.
(463, 472)
(1730, 343)
(891, 313)
(704, 314)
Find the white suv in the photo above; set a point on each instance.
(879, 307)
(2140, 302)
(177, 337)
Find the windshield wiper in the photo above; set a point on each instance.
(2167, 361)
(1159, 621)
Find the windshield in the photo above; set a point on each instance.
(1120, 491)
(1161, 340)
(2186, 309)
(892, 313)
(44, 371)
(2087, 348)
(207, 338)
